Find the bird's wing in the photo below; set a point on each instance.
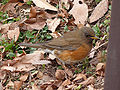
(69, 41)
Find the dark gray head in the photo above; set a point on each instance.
(88, 33)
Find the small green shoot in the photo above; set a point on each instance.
(29, 2)
(79, 87)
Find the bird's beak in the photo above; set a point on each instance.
(95, 37)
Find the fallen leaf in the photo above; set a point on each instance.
(9, 7)
(10, 84)
(39, 24)
(1, 87)
(88, 81)
(79, 77)
(4, 28)
(65, 4)
(100, 66)
(44, 4)
(52, 24)
(47, 78)
(57, 83)
(99, 11)
(23, 67)
(35, 87)
(2, 74)
(66, 82)
(33, 12)
(69, 72)
(49, 88)
(34, 58)
(79, 11)
(55, 34)
(100, 69)
(40, 75)
(17, 85)
(9, 68)
(25, 0)
(91, 87)
(24, 77)
(51, 56)
(61, 88)
(13, 34)
(60, 74)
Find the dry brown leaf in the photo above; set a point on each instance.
(99, 11)
(14, 34)
(9, 68)
(100, 66)
(45, 15)
(24, 77)
(49, 88)
(4, 28)
(79, 77)
(69, 72)
(65, 4)
(79, 11)
(35, 87)
(91, 87)
(31, 20)
(100, 69)
(2, 74)
(33, 12)
(23, 67)
(88, 81)
(1, 87)
(10, 84)
(25, 0)
(25, 62)
(51, 56)
(44, 4)
(9, 7)
(47, 78)
(55, 34)
(52, 24)
(61, 88)
(60, 74)
(39, 24)
(34, 58)
(17, 85)
(66, 82)
(40, 75)
(94, 49)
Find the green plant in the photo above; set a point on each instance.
(96, 30)
(9, 48)
(29, 2)
(4, 1)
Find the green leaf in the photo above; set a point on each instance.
(29, 2)
(110, 7)
(66, 28)
(107, 22)
(97, 30)
(79, 87)
(49, 36)
(97, 1)
(29, 34)
(1, 13)
(45, 28)
(8, 47)
(10, 54)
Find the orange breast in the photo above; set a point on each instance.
(69, 56)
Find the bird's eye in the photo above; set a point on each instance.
(87, 35)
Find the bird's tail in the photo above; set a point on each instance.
(40, 45)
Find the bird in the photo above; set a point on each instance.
(71, 47)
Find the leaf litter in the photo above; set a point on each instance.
(37, 71)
